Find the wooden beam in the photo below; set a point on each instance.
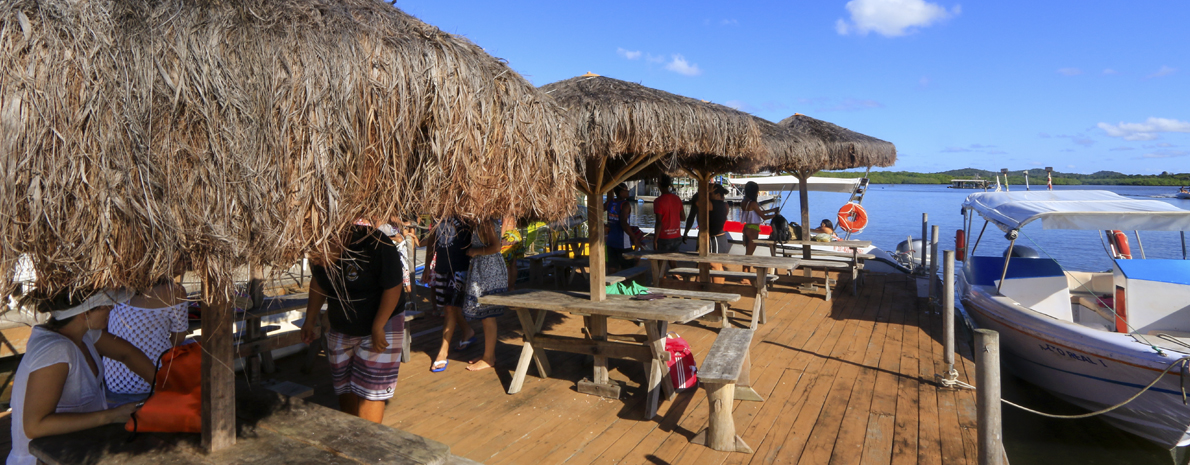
(704, 224)
(623, 173)
(218, 379)
(804, 198)
(596, 240)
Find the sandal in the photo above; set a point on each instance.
(463, 345)
(439, 366)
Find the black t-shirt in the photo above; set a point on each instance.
(454, 238)
(369, 266)
(718, 216)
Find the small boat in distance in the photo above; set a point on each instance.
(1095, 339)
(1183, 193)
(968, 184)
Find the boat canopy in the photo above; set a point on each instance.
(1077, 210)
(789, 183)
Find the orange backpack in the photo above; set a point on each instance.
(175, 405)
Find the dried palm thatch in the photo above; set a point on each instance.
(620, 123)
(139, 132)
(840, 148)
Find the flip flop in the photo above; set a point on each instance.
(439, 366)
(465, 344)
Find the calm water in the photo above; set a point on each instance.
(895, 213)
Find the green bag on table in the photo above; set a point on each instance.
(623, 288)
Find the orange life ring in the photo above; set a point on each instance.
(960, 244)
(852, 217)
(1119, 242)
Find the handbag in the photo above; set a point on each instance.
(683, 372)
(175, 402)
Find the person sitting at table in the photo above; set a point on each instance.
(360, 280)
(58, 387)
(153, 321)
(619, 239)
(720, 241)
(825, 232)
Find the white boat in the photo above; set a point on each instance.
(1094, 339)
(1182, 194)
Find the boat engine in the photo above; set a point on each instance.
(908, 253)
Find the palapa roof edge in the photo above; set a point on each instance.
(833, 147)
(137, 133)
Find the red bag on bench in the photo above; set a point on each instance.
(176, 403)
(682, 369)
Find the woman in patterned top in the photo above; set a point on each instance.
(153, 321)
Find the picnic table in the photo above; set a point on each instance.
(654, 315)
(825, 260)
(255, 345)
(270, 429)
(761, 264)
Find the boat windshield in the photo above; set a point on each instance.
(1088, 210)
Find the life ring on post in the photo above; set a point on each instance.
(852, 217)
(960, 244)
(1119, 243)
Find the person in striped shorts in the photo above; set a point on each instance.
(361, 283)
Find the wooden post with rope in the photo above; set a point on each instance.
(987, 404)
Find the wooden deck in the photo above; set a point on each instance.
(847, 381)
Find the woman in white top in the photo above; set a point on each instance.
(153, 322)
(58, 387)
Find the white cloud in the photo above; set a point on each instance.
(629, 54)
(1147, 130)
(1070, 166)
(730, 22)
(1121, 149)
(649, 57)
(1070, 71)
(1110, 71)
(1164, 71)
(681, 66)
(1166, 154)
(892, 18)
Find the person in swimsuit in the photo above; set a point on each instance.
(825, 232)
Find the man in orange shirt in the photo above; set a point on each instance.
(670, 215)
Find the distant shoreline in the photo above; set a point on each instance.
(1036, 177)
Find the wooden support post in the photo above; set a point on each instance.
(599, 385)
(595, 234)
(218, 379)
(925, 226)
(987, 406)
(704, 225)
(251, 325)
(933, 262)
(720, 433)
(743, 385)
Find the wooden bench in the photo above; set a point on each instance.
(564, 266)
(625, 274)
(537, 265)
(725, 376)
(722, 302)
(855, 265)
(688, 272)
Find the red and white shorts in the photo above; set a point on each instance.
(358, 369)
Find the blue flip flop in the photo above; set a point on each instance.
(439, 366)
(465, 344)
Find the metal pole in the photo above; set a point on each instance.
(1007, 257)
(1139, 244)
(925, 226)
(1026, 179)
(948, 313)
(987, 406)
(1183, 244)
(933, 260)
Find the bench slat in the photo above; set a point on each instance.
(698, 295)
(724, 360)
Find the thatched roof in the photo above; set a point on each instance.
(840, 148)
(136, 132)
(620, 120)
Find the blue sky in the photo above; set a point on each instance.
(1081, 86)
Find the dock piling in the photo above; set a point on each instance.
(933, 263)
(987, 401)
(952, 376)
(925, 227)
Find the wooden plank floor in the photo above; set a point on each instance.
(849, 381)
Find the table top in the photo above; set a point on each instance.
(784, 263)
(272, 429)
(616, 306)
